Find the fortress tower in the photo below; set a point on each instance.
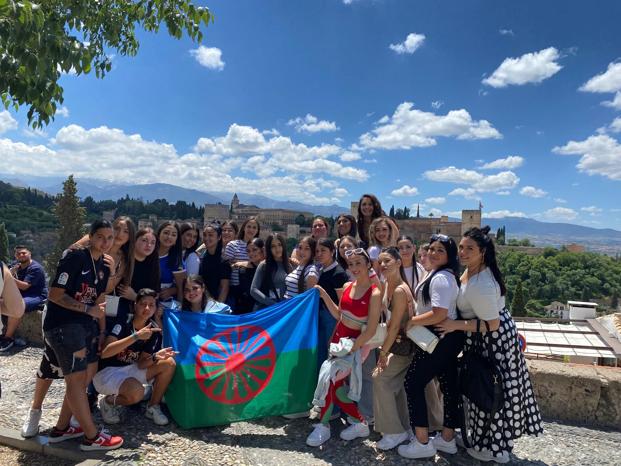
(469, 219)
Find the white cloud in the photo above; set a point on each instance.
(608, 81)
(241, 161)
(599, 155)
(467, 193)
(477, 181)
(532, 67)
(271, 132)
(7, 122)
(560, 200)
(435, 200)
(531, 191)
(593, 210)
(405, 190)
(349, 156)
(409, 127)
(614, 103)
(506, 32)
(503, 193)
(63, 112)
(340, 192)
(411, 43)
(311, 124)
(503, 214)
(369, 161)
(436, 104)
(559, 214)
(508, 163)
(34, 133)
(209, 57)
(615, 126)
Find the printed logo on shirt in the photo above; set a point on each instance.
(87, 295)
(101, 274)
(84, 272)
(63, 278)
(116, 330)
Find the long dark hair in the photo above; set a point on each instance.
(271, 265)
(152, 261)
(312, 244)
(187, 226)
(353, 230)
(186, 305)
(218, 229)
(341, 260)
(174, 253)
(486, 245)
(396, 255)
(377, 212)
(128, 248)
(414, 267)
(451, 265)
(241, 233)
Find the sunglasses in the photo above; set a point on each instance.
(357, 251)
(439, 237)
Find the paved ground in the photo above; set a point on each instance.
(269, 441)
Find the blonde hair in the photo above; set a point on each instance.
(392, 227)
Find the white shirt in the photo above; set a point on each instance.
(292, 279)
(480, 297)
(443, 291)
(410, 277)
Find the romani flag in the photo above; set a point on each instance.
(232, 368)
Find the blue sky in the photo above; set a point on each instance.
(514, 104)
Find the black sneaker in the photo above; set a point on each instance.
(6, 343)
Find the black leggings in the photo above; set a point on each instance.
(442, 363)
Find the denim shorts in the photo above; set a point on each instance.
(68, 339)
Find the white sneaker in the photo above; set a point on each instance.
(155, 413)
(486, 455)
(415, 449)
(443, 445)
(390, 441)
(109, 413)
(31, 423)
(319, 435)
(411, 435)
(359, 429)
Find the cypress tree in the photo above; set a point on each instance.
(518, 305)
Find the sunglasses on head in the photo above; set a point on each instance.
(439, 237)
(357, 251)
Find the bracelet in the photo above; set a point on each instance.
(135, 336)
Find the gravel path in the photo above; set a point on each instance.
(269, 441)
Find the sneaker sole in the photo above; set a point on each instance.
(450, 451)
(6, 348)
(63, 438)
(24, 435)
(97, 447)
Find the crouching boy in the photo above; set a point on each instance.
(132, 357)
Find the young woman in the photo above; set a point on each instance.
(345, 244)
(319, 228)
(305, 275)
(369, 208)
(331, 279)
(236, 251)
(256, 254)
(268, 285)
(423, 257)
(346, 226)
(169, 251)
(389, 400)
(189, 242)
(196, 298)
(359, 306)
(414, 272)
(383, 233)
(482, 299)
(74, 328)
(436, 298)
(216, 272)
(230, 230)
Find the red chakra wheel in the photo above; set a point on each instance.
(234, 366)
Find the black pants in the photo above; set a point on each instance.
(442, 363)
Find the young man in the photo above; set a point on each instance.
(30, 280)
(131, 358)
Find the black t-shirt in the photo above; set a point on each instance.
(213, 269)
(142, 276)
(331, 279)
(131, 354)
(83, 279)
(245, 302)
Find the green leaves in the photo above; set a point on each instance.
(40, 41)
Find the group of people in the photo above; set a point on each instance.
(103, 330)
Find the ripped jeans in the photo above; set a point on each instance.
(68, 339)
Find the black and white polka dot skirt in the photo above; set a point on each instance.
(520, 413)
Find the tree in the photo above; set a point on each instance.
(518, 305)
(406, 212)
(4, 244)
(300, 220)
(41, 40)
(391, 213)
(70, 218)
(614, 300)
(501, 237)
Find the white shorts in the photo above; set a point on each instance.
(109, 380)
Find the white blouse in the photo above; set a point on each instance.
(480, 297)
(443, 292)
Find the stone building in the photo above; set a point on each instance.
(421, 228)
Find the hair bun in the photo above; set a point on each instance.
(485, 229)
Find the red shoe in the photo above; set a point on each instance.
(58, 435)
(102, 441)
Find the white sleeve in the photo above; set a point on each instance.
(374, 252)
(441, 291)
(311, 272)
(484, 296)
(229, 251)
(192, 264)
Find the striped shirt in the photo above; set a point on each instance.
(292, 279)
(235, 251)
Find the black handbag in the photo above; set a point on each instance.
(402, 345)
(480, 381)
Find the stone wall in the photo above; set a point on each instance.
(578, 393)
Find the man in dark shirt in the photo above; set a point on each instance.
(30, 279)
(131, 358)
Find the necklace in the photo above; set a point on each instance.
(94, 268)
